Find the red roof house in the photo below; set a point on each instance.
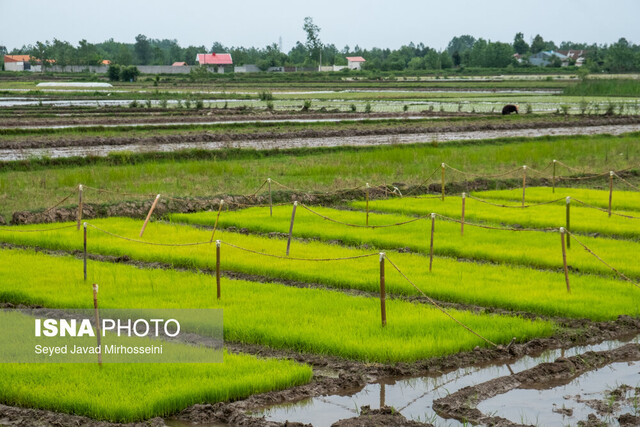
(214, 59)
(355, 62)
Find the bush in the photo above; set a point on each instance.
(270, 105)
(163, 103)
(148, 103)
(353, 108)
(187, 103)
(199, 104)
(307, 105)
(405, 108)
(367, 107)
(133, 104)
(129, 74)
(113, 73)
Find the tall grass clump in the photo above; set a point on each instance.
(604, 87)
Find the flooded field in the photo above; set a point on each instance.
(268, 144)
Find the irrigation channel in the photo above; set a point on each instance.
(552, 403)
(269, 144)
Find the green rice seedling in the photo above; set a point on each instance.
(127, 392)
(309, 320)
(517, 288)
(621, 200)
(534, 249)
(583, 220)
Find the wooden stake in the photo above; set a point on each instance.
(610, 190)
(564, 259)
(218, 266)
(293, 216)
(215, 226)
(146, 221)
(85, 251)
(524, 181)
(464, 197)
(383, 296)
(553, 180)
(433, 227)
(270, 200)
(568, 220)
(442, 181)
(367, 193)
(79, 205)
(97, 317)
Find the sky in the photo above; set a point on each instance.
(371, 23)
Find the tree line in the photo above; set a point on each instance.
(463, 51)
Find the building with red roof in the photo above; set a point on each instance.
(217, 60)
(355, 62)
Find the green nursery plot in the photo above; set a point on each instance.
(583, 220)
(264, 313)
(133, 392)
(534, 249)
(621, 200)
(504, 286)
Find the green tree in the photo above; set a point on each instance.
(313, 43)
(538, 44)
(416, 63)
(620, 57)
(143, 49)
(461, 44)
(520, 45)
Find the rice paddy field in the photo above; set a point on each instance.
(351, 266)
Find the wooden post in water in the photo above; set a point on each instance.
(553, 180)
(610, 190)
(464, 197)
(524, 182)
(433, 227)
(442, 166)
(270, 199)
(218, 267)
(79, 205)
(383, 295)
(568, 224)
(97, 318)
(146, 221)
(85, 251)
(564, 259)
(215, 226)
(293, 217)
(367, 196)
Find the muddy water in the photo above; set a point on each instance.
(569, 403)
(413, 397)
(266, 144)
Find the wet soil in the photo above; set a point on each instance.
(462, 405)
(331, 137)
(142, 116)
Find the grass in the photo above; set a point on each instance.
(604, 87)
(621, 200)
(583, 220)
(535, 249)
(264, 313)
(206, 173)
(127, 392)
(514, 288)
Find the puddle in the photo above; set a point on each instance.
(269, 144)
(413, 397)
(569, 403)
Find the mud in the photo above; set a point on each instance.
(26, 417)
(462, 405)
(113, 116)
(332, 137)
(384, 416)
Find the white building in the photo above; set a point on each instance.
(355, 62)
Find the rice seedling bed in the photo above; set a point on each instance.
(525, 248)
(127, 392)
(583, 219)
(510, 287)
(265, 313)
(621, 200)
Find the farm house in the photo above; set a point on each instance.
(216, 60)
(355, 62)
